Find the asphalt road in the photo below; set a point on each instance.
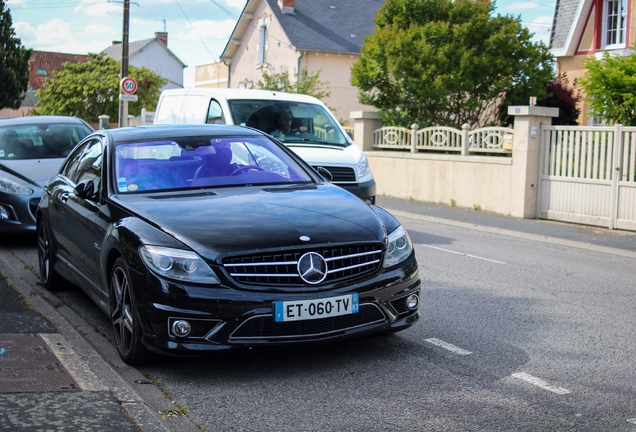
(515, 334)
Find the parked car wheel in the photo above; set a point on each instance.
(48, 275)
(124, 317)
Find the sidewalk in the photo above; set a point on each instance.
(53, 372)
(58, 374)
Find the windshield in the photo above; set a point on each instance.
(295, 122)
(196, 162)
(40, 141)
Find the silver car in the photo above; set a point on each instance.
(31, 151)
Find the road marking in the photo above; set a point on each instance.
(632, 421)
(540, 383)
(464, 254)
(447, 346)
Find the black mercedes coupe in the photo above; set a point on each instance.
(203, 238)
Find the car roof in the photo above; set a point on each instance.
(40, 120)
(152, 132)
(232, 94)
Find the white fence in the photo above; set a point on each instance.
(588, 175)
(444, 139)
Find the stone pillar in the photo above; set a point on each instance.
(364, 123)
(103, 121)
(525, 157)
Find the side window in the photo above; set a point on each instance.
(86, 164)
(215, 113)
(263, 23)
(90, 166)
(72, 164)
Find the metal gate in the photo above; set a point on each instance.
(587, 174)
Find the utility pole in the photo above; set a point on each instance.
(123, 105)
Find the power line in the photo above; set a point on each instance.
(195, 30)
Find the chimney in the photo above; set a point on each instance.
(163, 37)
(32, 75)
(286, 6)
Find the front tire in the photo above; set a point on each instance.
(124, 316)
(46, 261)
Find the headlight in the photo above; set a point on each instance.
(399, 247)
(363, 166)
(9, 186)
(177, 264)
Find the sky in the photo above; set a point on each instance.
(198, 30)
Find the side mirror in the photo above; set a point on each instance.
(85, 189)
(324, 173)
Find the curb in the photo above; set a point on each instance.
(91, 359)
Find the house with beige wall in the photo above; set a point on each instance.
(583, 28)
(302, 34)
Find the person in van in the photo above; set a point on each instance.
(285, 127)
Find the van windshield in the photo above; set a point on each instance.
(290, 122)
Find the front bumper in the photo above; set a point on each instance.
(225, 318)
(365, 191)
(17, 213)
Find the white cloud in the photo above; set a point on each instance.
(98, 8)
(239, 4)
(208, 29)
(99, 30)
(541, 26)
(516, 8)
(12, 3)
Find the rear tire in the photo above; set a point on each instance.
(124, 316)
(46, 260)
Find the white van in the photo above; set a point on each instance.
(315, 133)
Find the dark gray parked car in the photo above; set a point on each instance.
(31, 151)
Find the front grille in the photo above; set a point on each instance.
(341, 174)
(264, 326)
(280, 268)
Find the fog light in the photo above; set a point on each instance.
(4, 213)
(181, 328)
(412, 301)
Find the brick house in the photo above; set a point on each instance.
(42, 64)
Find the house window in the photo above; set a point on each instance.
(42, 72)
(615, 18)
(263, 23)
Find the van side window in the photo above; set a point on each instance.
(215, 113)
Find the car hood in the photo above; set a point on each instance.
(234, 221)
(34, 171)
(327, 155)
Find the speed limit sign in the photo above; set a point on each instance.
(128, 85)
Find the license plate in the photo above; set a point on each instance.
(313, 309)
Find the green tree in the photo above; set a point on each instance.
(447, 62)
(308, 83)
(14, 67)
(91, 88)
(610, 84)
